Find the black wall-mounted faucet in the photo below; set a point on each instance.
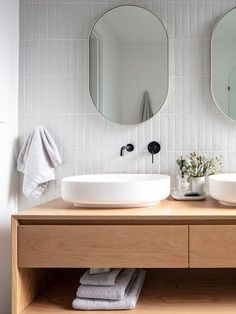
(128, 147)
(154, 148)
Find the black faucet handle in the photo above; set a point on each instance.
(154, 148)
(128, 147)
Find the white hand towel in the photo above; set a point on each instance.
(38, 159)
(129, 301)
(115, 292)
(105, 279)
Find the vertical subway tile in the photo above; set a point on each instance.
(178, 95)
(223, 134)
(171, 95)
(171, 131)
(36, 20)
(87, 19)
(201, 19)
(54, 91)
(193, 19)
(21, 95)
(43, 58)
(186, 136)
(43, 21)
(216, 11)
(216, 133)
(178, 136)
(185, 54)
(178, 18)
(75, 95)
(35, 95)
(186, 95)
(171, 20)
(231, 138)
(51, 7)
(201, 138)
(185, 20)
(178, 57)
(193, 132)
(80, 133)
(72, 17)
(25, 103)
(73, 59)
(27, 24)
(61, 21)
(209, 22)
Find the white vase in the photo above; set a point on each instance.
(198, 184)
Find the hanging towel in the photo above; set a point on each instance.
(127, 303)
(37, 161)
(105, 279)
(146, 108)
(115, 292)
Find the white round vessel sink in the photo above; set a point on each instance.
(116, 190)
(222, 187)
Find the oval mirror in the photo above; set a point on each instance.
(223, 64)
(128, 64)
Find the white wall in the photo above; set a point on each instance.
(54, 90)
(9, 18)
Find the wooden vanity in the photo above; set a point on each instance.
(177, 241)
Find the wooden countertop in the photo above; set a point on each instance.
(167, 210)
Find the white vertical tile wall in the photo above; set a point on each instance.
(53, 89)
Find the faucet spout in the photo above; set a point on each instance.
(128, 147)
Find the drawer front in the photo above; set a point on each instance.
(212, 246)
(102, 246)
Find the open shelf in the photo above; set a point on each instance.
(166, 291)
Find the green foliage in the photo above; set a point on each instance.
(199, 165)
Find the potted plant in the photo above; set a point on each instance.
(197, 167)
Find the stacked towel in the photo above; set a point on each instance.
(101, 279)
(115, 292)
(94, 271)
(122, 294)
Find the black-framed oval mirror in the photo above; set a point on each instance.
(223, 64)
(128, 64)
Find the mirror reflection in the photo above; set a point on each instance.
(223, 64)
(128, 65)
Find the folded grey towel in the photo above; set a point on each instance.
(105, 279)
(115, 292)
(94, 271)
(37, 160)
(129, 302)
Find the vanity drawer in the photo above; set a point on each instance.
(102, 246)
(213, 246)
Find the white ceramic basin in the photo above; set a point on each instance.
(222, 187)
(116, 190)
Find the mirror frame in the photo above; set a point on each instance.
(211, 63)
(167, 55)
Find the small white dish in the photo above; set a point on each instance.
(178, 197)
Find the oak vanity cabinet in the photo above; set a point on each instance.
(102, 246)
(51, 243)
(212, 246)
